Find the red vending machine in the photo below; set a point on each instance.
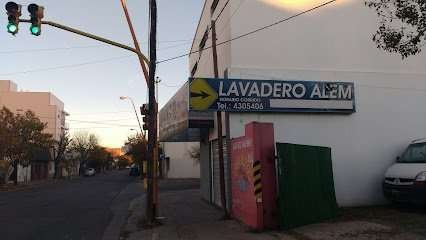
(253, 177)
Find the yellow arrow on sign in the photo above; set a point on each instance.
(202, 95)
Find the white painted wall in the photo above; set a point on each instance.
(24, 174)
(330, 44)
(390, 113)
(181, 164)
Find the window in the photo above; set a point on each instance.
(204, 39)
(194, 69)
(415, 153)
(214, 6)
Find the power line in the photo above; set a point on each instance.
(66, 66)
(86, 47)
(251, 32)
(50, 49)
(101, 123)
(230, 18)
(99, 113)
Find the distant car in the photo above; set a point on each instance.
(405, 181)
(89, 172)
(134, 171)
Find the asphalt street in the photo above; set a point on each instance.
(78, 209)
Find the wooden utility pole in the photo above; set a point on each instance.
(151, 208)
(219, 129)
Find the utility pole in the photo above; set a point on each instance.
(219, 129)
(151, 208)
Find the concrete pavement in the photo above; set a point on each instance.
(187, 217)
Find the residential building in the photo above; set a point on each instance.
(330, 44)
(49, 109)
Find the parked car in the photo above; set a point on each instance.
(405, 181)
(89, 172)
(134, 171)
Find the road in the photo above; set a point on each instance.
(78, 209)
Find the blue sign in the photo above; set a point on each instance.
(244, 95)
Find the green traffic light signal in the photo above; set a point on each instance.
(35, 30)
(12, 28)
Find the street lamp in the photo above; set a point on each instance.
(134, 108)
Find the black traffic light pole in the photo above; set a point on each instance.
(152, 202)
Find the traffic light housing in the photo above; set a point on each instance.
(145, 116)
(13, 13)
(36, 14)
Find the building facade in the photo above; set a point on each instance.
(180, 160)
(49, 109)
(333, 44)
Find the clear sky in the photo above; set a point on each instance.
(88, 76)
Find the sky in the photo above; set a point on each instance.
(89, 76)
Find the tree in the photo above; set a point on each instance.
(194, 153)
(6, 132)
(402, 27)
(137, 150)
(59, 147)
(23, 138)
(137, 147)
(100, 158)
(83, 144)
(123, 162)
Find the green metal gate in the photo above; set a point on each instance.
(306, 185)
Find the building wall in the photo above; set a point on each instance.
(204, 59)
(332, 43)
(333, 38)
(364, 144)
(181, 164)
(205, 171)
(45, 105)
(24, 174)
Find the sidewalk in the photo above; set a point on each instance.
(190, 218)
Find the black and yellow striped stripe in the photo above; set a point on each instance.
(257, 176)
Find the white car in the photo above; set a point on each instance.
(405, 180)
(89, 172)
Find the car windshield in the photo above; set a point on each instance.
(415, 153)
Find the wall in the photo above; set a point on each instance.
(223, 30)
(332, 43)
(24, 174)
(45, 105)
(205, 172)
(333, 38)
(390, 113)
(181, 165)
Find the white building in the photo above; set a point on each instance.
(179, 162)
(333, 44)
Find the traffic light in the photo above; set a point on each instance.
(36, 14)
(145, 116)
(13, 13)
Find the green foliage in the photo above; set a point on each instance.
(402, 27)
(22, 137)
(59, 148)
(137, 148)
(100, 159)
(123, 162)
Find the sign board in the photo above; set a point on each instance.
(245, 95)
(178, 124)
